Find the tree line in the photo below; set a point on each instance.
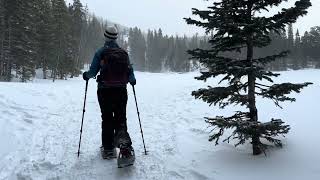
(155, 52)
(304, 50)
(60, 39)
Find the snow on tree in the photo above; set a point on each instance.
(237, 28)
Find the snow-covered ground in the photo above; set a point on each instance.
(40, 123)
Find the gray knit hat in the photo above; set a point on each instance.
(111, 32)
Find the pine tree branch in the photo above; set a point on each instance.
(268, 59)
(225, 40)
(267, 75)
(206, 15)
(244, 128)
(278, 92)
(222, 96)
(263, 5)
(205, 25)
(290, 15)
(285, 88)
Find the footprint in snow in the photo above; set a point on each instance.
(29, 121)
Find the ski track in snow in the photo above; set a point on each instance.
(40, 123)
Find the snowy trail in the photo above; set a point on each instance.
(51, 115)
(40, 123)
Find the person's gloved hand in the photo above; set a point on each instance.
(134, 82)
(84, 76)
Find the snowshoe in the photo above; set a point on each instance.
(108, 154)
(126, 157)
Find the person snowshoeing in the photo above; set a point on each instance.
(115, 72)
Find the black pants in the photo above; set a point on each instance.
(113, 105)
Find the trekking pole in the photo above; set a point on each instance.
(134, 92)
(84, 110)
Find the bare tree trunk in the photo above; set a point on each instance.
(1, 56)
(78, 64)
(78, 56)
(9, 69)
(44, 68)
(56, 69)
(58, 61)
(17, 69)
(61, 75)
(23, 75)
(252, 100)
(256, 149)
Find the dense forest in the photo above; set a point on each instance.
(47, 35)
(60, 39)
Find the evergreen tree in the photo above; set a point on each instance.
(298, 60)
(8, 37)
(20, 39)
(154, 56)
(45, 38)
(94, 37)
(290, 37)
(290, 45)
(194, 44)
(277, 45)
(314, 36)
(169, 63)
(86, 47)
(161, 48)
(78, 22)
(30, 22)
(283, 61)
(306, 46)
(149, 52)
(183, 62)
(142, 51)
(61, 23)
(137, 45)
(176, 53)
(46, 34)
(237, 29)
(297, 41)
(155, 62)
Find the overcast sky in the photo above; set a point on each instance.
(168, 14)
